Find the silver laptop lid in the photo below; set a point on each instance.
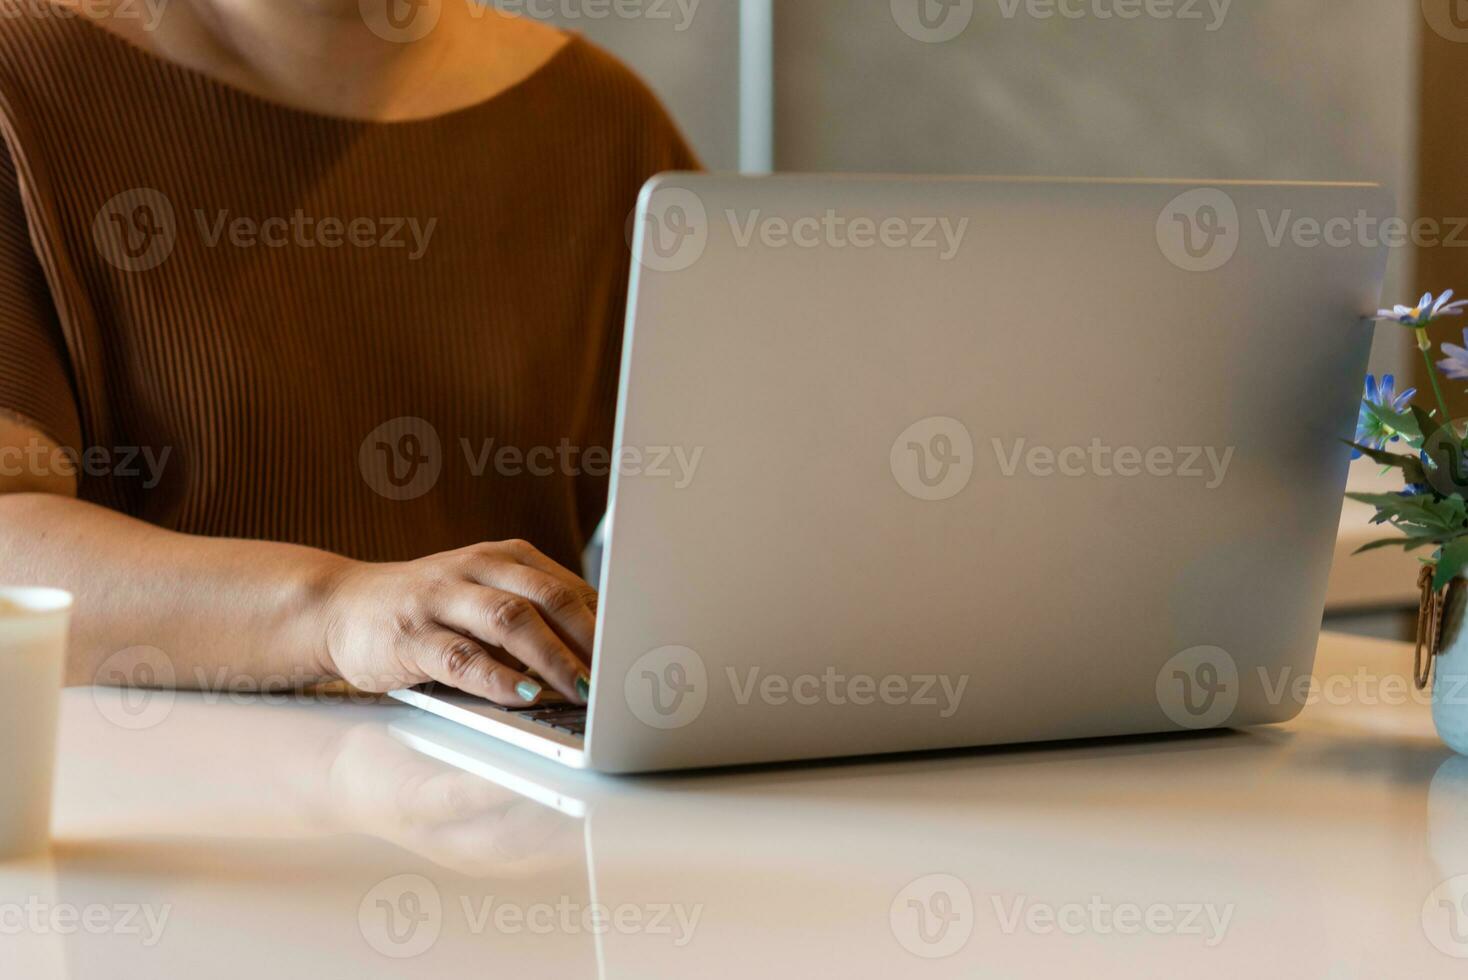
(918, 463)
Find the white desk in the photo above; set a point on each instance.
(266, 834)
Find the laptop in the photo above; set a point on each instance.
(907, 464)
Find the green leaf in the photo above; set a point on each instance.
(1411, 466)
(1450, 561)
(1405, 543)
(1381, 501)
(1420, 516)
(1389, 501)
(1423, 424)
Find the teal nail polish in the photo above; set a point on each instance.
(583, 687)
(528, 690)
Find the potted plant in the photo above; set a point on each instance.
(1431, 510)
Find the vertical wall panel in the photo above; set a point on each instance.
(1443, 160)
(1280, 89)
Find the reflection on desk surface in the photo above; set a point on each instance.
(234, 838)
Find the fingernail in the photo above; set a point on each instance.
(583, 687)
(528, 690)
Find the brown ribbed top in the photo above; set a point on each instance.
(190, 269)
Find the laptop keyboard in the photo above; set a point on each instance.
(552, 711)
(568, 718)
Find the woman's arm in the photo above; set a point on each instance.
(259, 612)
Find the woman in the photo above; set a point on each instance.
(279, 282)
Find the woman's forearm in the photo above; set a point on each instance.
(222, 611)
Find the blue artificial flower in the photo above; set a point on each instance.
(1456, 365)
(1427, 309)
(1371, 429)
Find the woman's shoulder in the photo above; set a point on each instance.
(610, 97)
(51, 55)
(51, 33)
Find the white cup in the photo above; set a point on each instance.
(33, 627)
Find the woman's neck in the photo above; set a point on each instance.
(363, 59)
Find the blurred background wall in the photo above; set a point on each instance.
(1442, 166)
(1282, 89)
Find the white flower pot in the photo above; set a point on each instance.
(1450, 671)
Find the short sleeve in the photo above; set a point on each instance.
(35, 376)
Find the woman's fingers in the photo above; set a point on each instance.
(525, 553)
(563, 606)
(454, 659)
(514, 624)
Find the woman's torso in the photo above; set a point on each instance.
(384, 340)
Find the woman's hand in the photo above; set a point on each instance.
(473, 619)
